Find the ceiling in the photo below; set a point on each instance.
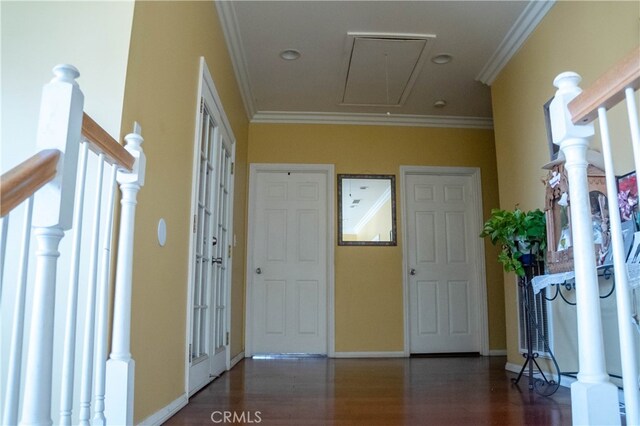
(371, 62)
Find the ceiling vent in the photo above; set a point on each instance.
(380, 69)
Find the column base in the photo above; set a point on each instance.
(594, 404)
(118, 401)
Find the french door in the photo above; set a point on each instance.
(211, 246)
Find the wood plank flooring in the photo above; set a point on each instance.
(396, 391)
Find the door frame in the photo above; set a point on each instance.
(205, 83)
(474, 174)
(328, 170)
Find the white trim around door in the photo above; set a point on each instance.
(474, 173)
(328, 170)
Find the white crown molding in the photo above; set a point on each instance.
(373, 119)
(233, 38)
(515, 38)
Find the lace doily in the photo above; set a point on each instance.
(543, 281)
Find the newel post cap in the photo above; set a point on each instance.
(65, 73)
(568, 81)
(134, 146)
(562, 127)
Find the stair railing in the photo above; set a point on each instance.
(52, 184)
(594, 398)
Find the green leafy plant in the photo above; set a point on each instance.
(516, 233)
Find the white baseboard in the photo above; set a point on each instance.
(498, 352)
(398, 354)
(173, 407)
(166, 412)
(236, 359)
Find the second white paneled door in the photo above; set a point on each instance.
(288, 284)
(444, 274)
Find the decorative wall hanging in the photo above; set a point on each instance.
(558, 214)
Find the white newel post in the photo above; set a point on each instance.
(59, 127)
(120, 366)
(594, 398)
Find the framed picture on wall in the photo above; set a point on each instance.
(628, 197)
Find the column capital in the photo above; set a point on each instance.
(562, 127)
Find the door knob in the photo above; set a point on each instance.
(258, 271)
(214, 241)
(412, 271)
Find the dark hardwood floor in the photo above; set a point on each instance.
(398, 391)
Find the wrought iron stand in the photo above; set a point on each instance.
(542, 386)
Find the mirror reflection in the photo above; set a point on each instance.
(366, 210)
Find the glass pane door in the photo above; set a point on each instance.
(205, 253)
(223, 253)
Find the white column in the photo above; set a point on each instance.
(59, 127)
(37, 402)
(594, 398)
(120, 366)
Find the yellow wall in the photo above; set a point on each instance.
(586, 37)
(67, 32)
(368, 286)
(167, 41)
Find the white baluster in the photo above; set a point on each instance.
(623, 291)
(632, 112)
(12, 395)
(59, 127)
(102, 314)
(628, 352)
(120, 366)
(69, 351)
(90, 315)
(4, 232)
(594, 398)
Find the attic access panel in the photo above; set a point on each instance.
(380, 69)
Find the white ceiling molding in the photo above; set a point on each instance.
(373, 119)
(515, 38)
(234, 45)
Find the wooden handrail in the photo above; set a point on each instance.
(607, 90)
(26, 178)
(102, 142)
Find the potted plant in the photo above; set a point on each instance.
(521, 236)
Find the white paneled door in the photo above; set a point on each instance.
(288, 286)
(443, 261)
